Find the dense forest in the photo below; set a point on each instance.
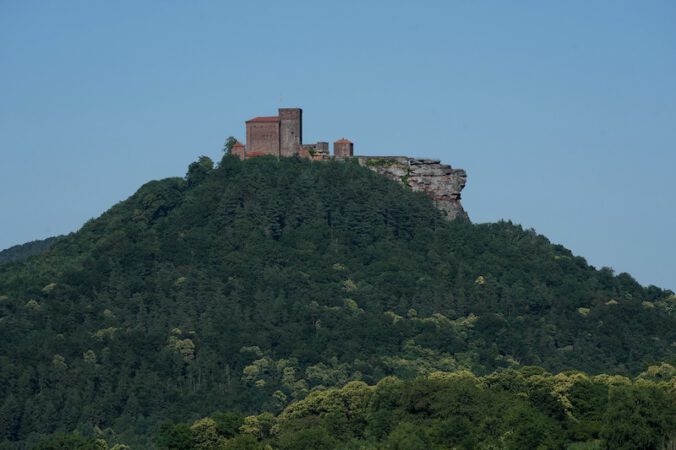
(524, 409)
(23, 251)
(266, 290)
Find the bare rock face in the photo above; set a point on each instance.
(440, 182)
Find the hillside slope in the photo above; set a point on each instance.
(20, 252)
(247, 285)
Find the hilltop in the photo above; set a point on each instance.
(249, 284)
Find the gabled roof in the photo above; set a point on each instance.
(343, 141)
(237, 144)
(264, 119)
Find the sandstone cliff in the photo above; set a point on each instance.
(440, 182)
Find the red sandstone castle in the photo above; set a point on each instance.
(282, 135)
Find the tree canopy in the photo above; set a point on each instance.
(248, 285)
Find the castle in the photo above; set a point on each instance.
(282, 135)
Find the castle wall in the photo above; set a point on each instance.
(238, 150)
(291, 130)
(315, 152)
(262, 138)
(322, 151)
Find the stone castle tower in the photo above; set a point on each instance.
(290, 130)
(343, 148)
(280, 135)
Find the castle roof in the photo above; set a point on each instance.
(343, 141)
(264, 119)
(238, 144)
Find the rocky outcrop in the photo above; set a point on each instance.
(440, 182)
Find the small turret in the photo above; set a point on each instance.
(239, 150)
(343, 148)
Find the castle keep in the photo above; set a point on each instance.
(282, 135)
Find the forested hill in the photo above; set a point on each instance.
(23, 251)
(247, 285)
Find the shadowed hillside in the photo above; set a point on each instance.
(24, 251)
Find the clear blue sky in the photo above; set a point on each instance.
(562, 113)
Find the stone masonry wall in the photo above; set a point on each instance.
(290, 131)
(262, 138)
(440, 182)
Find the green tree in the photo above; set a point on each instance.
(407, 436)
(638, 417)
(307, 438)
(62, 441)
(229, 143)
(10, 416)
(228, 422)
(174, 437)
(198, 170)
(205, 435)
